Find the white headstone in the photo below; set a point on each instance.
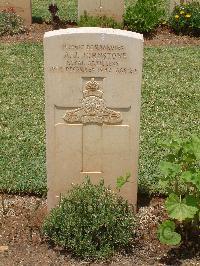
(109, 8)
(93, 81)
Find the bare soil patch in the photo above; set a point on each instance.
(165, 37)
(162, 37)
(21, 242)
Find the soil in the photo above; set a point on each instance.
(162, 37)
(21, 242)
(21, 217)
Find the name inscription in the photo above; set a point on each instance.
(95, 58)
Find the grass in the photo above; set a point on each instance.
(67, 9)
(22, 154)
(170, 106)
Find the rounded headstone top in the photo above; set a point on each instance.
(94, 30)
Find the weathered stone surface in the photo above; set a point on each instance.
(93, 80)
(20, 7)
(109, 8)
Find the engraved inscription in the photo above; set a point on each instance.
(85, 58)
(93, 109)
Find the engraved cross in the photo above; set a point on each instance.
(92, 114)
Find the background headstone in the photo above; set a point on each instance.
(20, 7)
(109, 8)
(93, 80)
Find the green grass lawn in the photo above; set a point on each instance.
(67, 9)
(170, 106)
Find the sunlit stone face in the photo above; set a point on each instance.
(92, 84)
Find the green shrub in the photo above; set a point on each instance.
(104, 22)
(91, 221)
(185, 19)
(144, 16)
(10, 23)
(181, 174)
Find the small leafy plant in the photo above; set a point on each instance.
(185, 18)
(104, 22)
(55, 20)
(91, 221)
(181, 175)
(144, 16)
(122, 180)
(10, 23)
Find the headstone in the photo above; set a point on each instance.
(92, 83)
(109, 8)
(20, 7)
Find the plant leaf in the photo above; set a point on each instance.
(169, 169)
(196, 146)
(167, 235)
(192, 201)
(122, 180)
(178, 209)
(193, 178)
